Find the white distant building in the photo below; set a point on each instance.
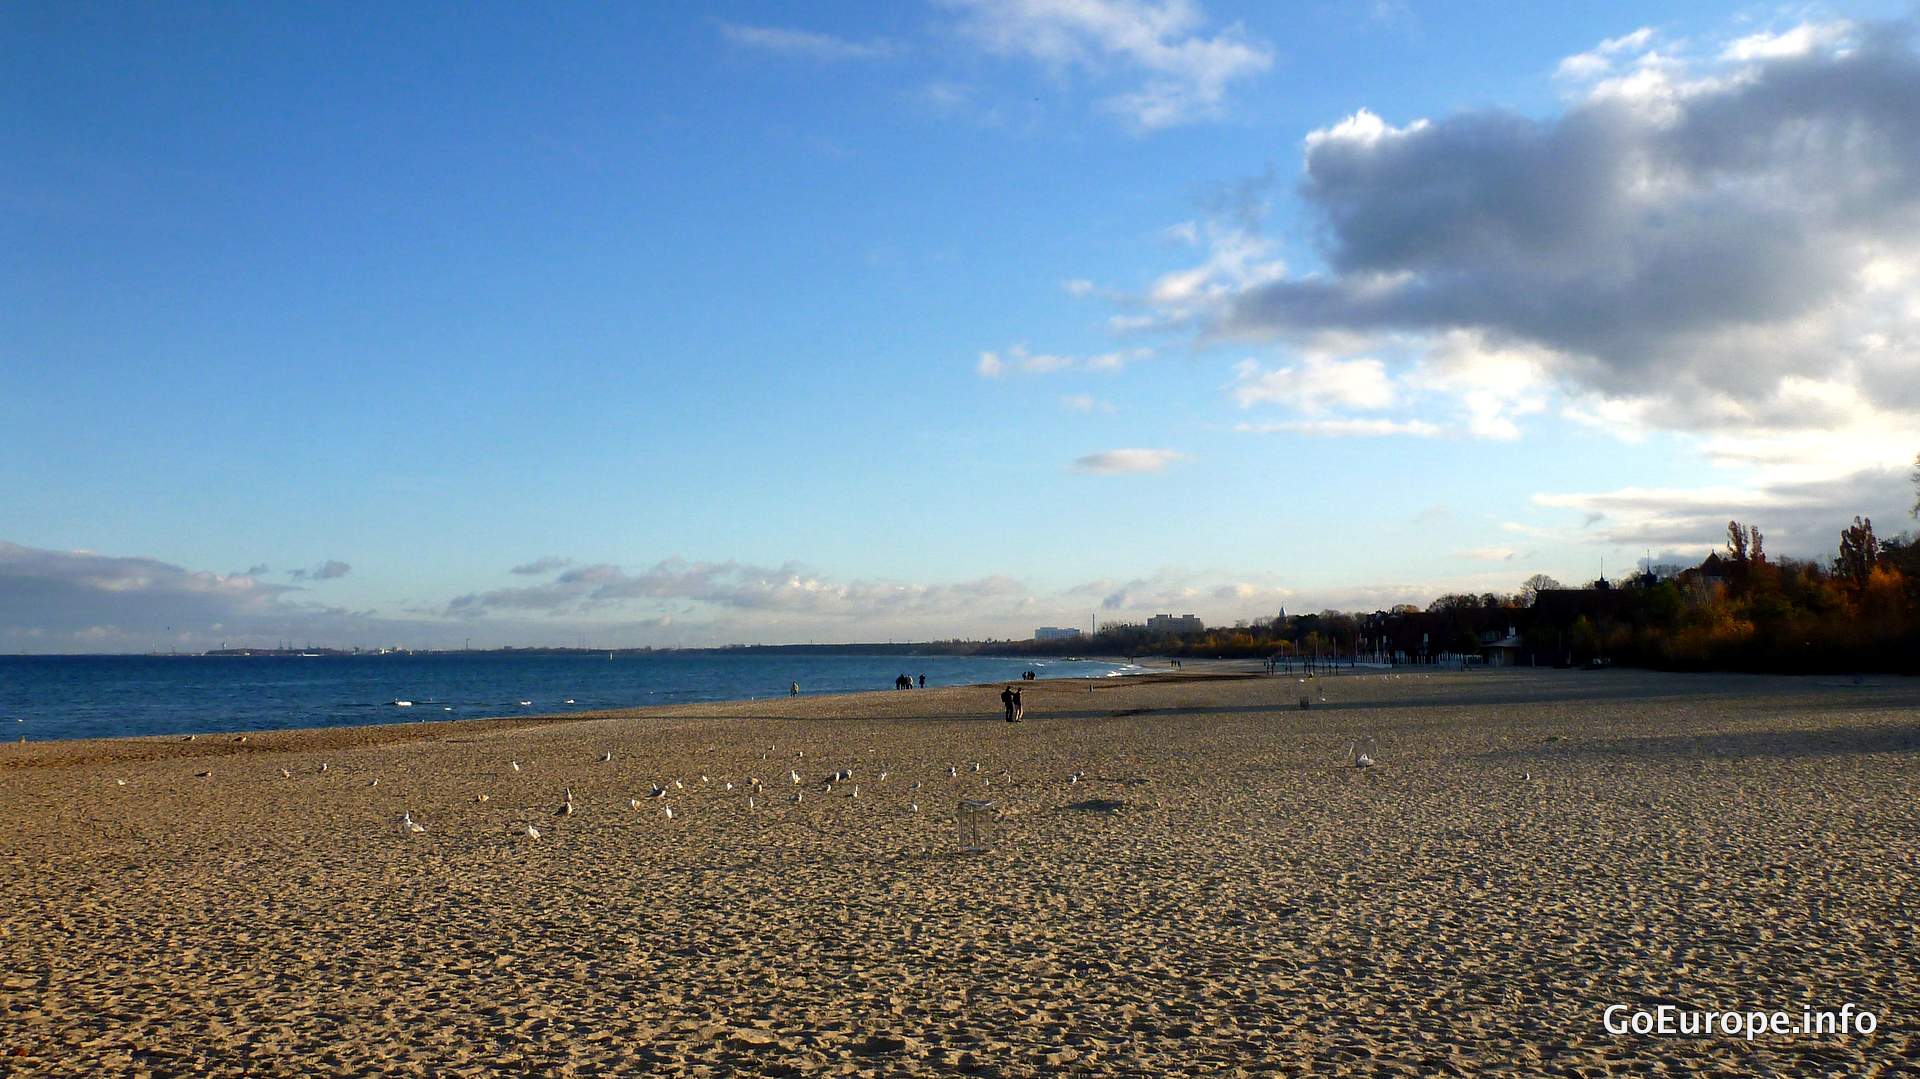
(1166, 623)
(1055, 633)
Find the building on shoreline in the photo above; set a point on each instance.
(1168, 624)
(1056, 633)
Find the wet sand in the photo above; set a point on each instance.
(1222, 892)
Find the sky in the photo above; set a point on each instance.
(629, 325)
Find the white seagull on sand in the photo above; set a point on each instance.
(411, 825)
(566, 807)
(516, 766)
(606, 757)
(531, 832)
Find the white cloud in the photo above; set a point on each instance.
(1314, 385)
(1186, 71)
(1084, 402)
(1019, 359)
(1489, 554)
(1599, 60)
(806, 44)
(1111, 462)
(1493, 385)
(1344, 428)
(1801, 40)
(1078, 287)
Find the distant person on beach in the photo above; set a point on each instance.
(923, 681)
(1006, 699)
(903, 682)
(793, 690)
(1019, 707)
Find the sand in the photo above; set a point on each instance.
(1223, 892)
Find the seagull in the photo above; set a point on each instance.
(794, 775)
(531, 832)
(120, 782)
(703, 779)
(479, 797)
(829, 787)
(856, 791)
(844, 773)
(1363, 761)
(569, 700)
(976, 766)
(914, 808)
(883, 777)
(916, 786)
(411, 825)
(606, 757)
(657, 792)
(203, 775)
(749, 803)
(566, 807)
(324, 766)
(373, 783)
(677, 785)
(797, 796)
(190, 737)
(952, 772)
(516, 766)
(729, 786)
(1526, 775)
(633, 803)
(669, 812)
(524, 704)
(284, 774)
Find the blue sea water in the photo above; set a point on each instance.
(49, 697)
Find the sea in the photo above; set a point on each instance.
(57, 697)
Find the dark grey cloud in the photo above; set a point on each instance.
(325, 571)
(1693, 234)
(1799, 518)
(77, 600)
(783, 590)
(541, 566)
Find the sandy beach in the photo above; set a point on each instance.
(1222, 891)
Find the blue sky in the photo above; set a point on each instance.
(848, 322)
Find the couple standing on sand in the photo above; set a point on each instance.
(1016, 711)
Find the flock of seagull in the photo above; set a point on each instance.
(659, 792)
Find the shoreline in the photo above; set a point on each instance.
(401, 731)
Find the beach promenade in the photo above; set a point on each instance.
(1221, 890)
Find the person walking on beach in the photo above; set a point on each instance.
(923, 681)
(793, 690)
(1006, 700)
(1019, 708)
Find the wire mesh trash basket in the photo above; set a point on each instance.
(974, 821)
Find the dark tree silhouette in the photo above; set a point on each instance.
(1859, 551)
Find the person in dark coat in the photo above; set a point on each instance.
(1007, 698)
